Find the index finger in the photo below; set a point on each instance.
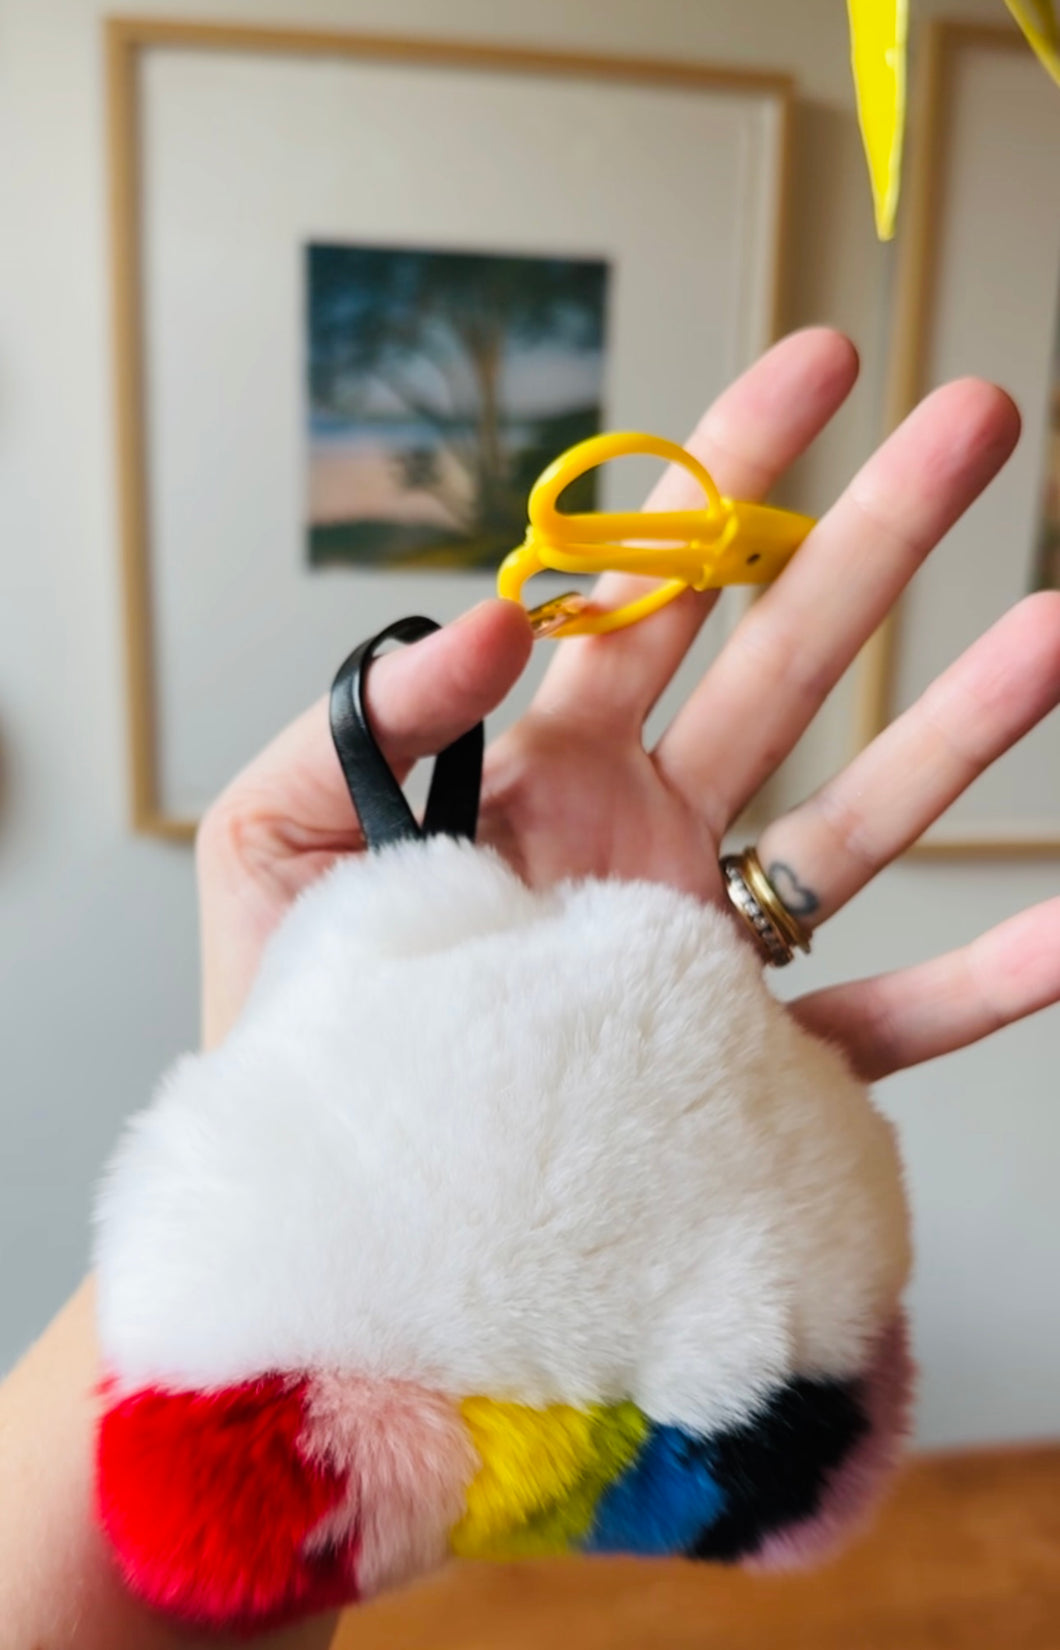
(747, 439)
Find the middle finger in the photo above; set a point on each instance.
(795, 643)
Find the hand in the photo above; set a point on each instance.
(571, 788)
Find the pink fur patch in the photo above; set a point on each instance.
(857, 1484)
(408, 1460)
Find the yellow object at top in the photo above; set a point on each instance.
(725, 541)
(878, 39)
(878, 32)
(1038, 20)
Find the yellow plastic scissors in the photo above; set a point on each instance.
(726, 541)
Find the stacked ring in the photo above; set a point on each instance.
(778, 933)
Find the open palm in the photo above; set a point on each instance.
(572, 790)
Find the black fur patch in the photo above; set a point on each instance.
(773, 1469)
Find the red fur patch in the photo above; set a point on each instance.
(209, 1501)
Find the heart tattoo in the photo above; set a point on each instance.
(800, 900)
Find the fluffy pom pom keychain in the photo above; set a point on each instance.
(505, 1221)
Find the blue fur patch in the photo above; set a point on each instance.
(663, 1503)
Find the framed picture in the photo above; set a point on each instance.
(979, 292)
(364, 290)
(440, 385)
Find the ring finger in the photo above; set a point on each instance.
(821, 853)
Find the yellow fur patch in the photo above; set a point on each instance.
(543, 1471)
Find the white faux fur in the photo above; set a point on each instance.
(546, 1146)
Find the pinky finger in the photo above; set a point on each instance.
(897, 1020)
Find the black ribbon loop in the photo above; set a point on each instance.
(384, 813)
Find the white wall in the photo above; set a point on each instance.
(97, 927)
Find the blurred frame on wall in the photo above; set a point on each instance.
(979, 293)
(364, 289)
(440, 385)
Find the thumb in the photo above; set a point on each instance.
(288, 815)
(419, 699)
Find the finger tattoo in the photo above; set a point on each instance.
(799, 900)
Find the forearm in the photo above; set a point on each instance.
(58, 1587)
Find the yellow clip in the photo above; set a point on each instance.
(725, 542)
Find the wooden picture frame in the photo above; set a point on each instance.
(942, 47)
(127, 40)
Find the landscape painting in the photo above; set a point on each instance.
(439, 385)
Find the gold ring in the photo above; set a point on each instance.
(777, 932)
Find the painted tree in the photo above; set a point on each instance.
(432, 331)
